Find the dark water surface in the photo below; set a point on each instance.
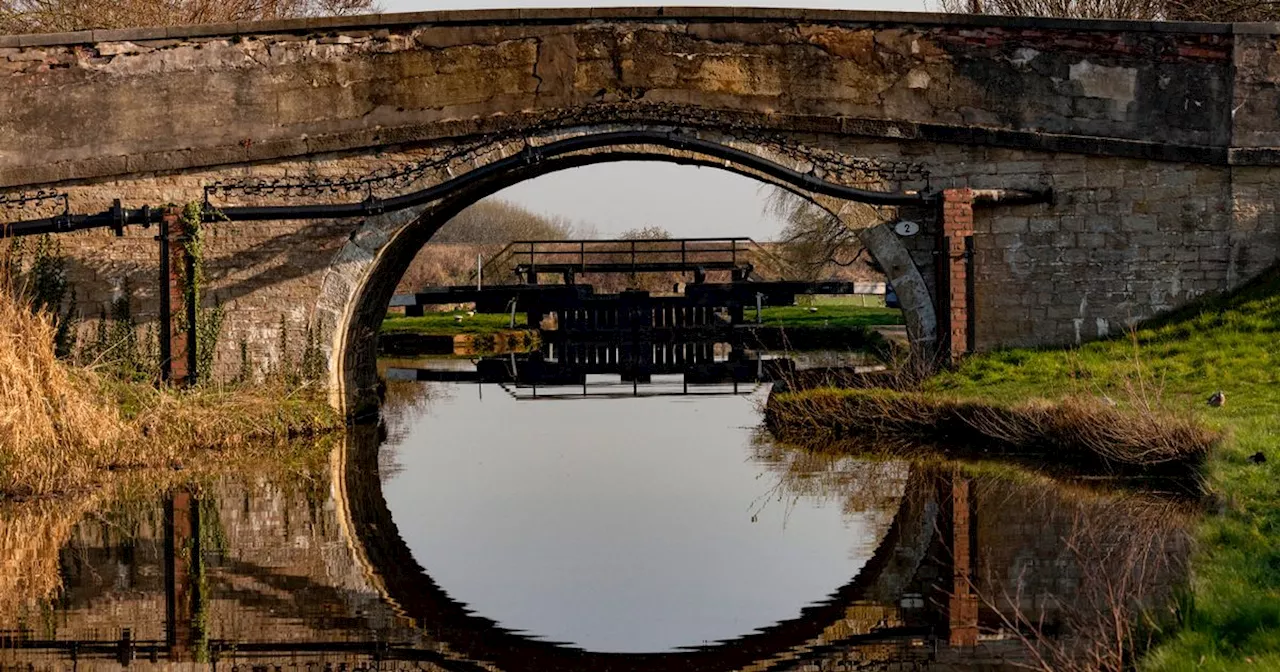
(636, 528)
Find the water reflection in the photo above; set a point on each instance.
(633, 524)
(603, 370)
(938, 566)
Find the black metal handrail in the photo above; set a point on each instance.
(525, 255)
(117, 217)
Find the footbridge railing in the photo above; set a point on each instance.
(529, 260)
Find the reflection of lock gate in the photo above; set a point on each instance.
(572, 369)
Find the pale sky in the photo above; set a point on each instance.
(686, 200)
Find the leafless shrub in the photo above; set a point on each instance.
(445, 264)
(1129, 556)
(1171, 10)
(53, 16)
(1223, 10)
(497, 222)
(482, 229)
(1078, 9)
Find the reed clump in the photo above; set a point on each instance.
(63, 428)
(1078, 431)
(53, 424)
(31, 536)
(36, 534)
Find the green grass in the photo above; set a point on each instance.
(835, 311)
(445, 324)
(1231, 617)
(828, 314)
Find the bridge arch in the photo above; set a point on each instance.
(1154, 202)
(392, 571)
(362, 276)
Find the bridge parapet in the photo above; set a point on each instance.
(1162, 193)
(179, 98)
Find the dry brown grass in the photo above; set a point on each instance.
(50, 415)
(66, 429)
(34, 532)
(230, 417)
(1080, 432)
(31, 536)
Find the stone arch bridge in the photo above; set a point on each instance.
(1071, 177)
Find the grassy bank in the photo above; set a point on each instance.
(1231, 618)
(834, 312)
(1075, 435)
(448, 324)
(455, 333)
(67, 429)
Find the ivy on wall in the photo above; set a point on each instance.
(209, 320)
(37, 271)
(42, 282)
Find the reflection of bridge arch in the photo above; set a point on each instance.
(362, 277)
(393, 571)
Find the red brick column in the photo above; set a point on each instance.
(954, 271)
(182, 545)
(178, 357)
(962, 608)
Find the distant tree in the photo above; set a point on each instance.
(646, 233)
(497, 222)
(53, 16)
(1083, 9)
(1222, 10)
(1173, 10)
(481, 230)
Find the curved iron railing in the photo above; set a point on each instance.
(117, 217)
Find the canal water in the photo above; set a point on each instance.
(602, 525)
(621, 523)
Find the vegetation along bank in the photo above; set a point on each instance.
(77, 413)
(1199, 385)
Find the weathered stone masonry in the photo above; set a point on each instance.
(1159, 142)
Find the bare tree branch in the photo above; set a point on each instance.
(49, 16)
(1173, 10)
(812, 238)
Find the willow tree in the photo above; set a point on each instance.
(812, 239)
